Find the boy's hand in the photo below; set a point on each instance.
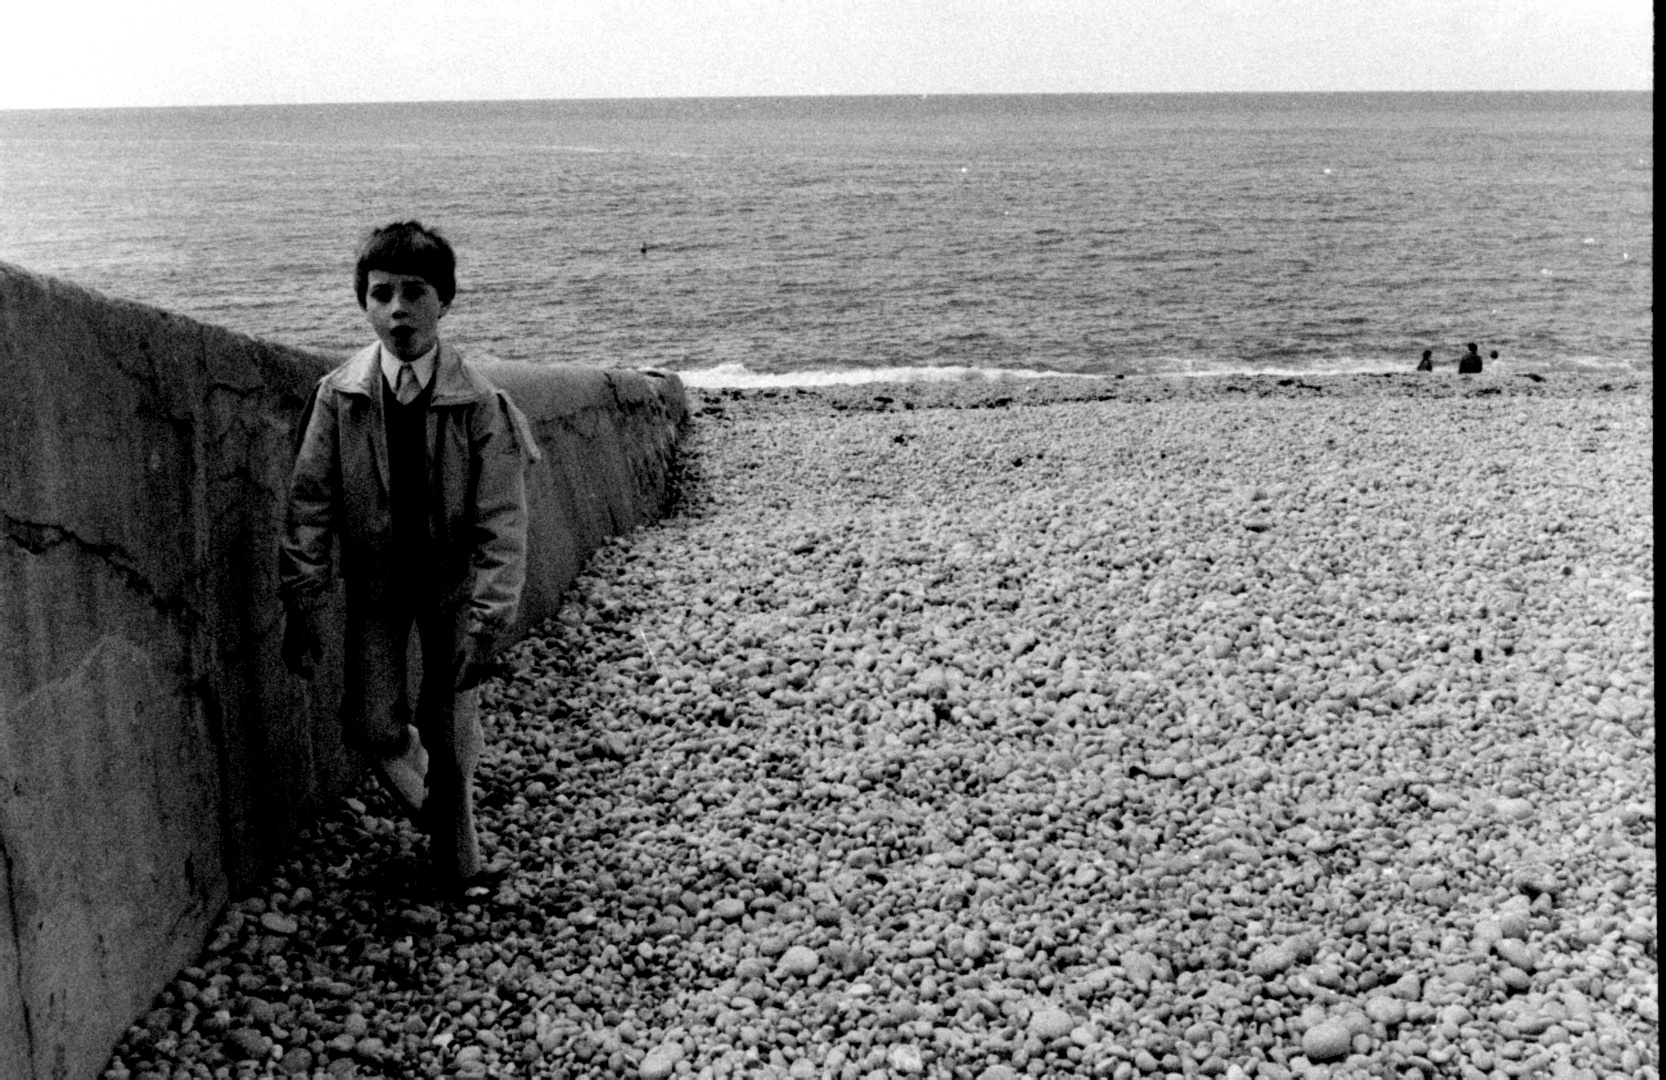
(301, 647)
(475, 664)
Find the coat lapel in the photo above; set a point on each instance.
(361, 377)
(452, 385)
(379, 439)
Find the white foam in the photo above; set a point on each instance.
(1196, 367)
(739, 376)
(1599, 364)
(1286, 373)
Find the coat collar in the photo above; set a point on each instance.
(454, 384)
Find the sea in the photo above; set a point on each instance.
(758, 241)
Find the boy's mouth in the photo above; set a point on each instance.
(403, 333)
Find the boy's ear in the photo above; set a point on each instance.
(445, 307)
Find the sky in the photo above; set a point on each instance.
(72, 53)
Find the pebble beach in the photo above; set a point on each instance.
(1232, 726)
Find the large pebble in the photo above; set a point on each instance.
(1516, 953)
(1327, 1041)
(906, 1059)
(799, 961)
(1407, 987)
(1051, 1022)
(247, 1044)
(1270, 960)
(660, 1062)
(1385, 1010)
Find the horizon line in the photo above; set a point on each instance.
(599, 99)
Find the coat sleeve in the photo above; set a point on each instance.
(502, 453)
(310, 522)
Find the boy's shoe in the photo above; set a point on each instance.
(482, 887)
(405, 774)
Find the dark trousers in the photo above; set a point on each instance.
(390, 641)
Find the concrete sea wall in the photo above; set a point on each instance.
(154, 754)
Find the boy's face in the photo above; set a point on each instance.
(405, 311)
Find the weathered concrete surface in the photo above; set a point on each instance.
(609, 438)
(153, 752)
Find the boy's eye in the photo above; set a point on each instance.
(414, 290)
(381, 294)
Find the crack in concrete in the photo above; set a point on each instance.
(38, 538)
(18, 937)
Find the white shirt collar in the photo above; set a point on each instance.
(422, 367)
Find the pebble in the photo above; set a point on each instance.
(1327, 1041)
(1385, 1010)
(906, 1059)
(799, 961)
(247, 1044)
(1051, 1022)
(1516, 953)
(1529, 1021)
(1640, 932)
(1140, 967)
(660, 1062)
(1271, 960)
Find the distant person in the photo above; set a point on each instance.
(1428, 361)
(1494, 356)
(1470, 362)
(410, 473)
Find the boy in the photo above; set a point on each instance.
(413, 464)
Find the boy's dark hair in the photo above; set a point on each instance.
(407, 247)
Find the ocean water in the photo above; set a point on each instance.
(812, 239)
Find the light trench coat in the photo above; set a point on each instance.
(479, 445)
